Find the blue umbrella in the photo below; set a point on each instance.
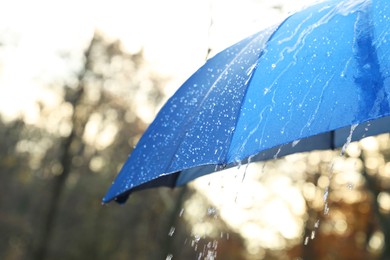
(317, 80)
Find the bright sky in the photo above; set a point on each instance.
(174, 35)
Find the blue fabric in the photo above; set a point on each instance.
(319, 72)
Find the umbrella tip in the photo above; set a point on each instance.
(122, 198)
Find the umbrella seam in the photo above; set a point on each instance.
(192, 114)
(228, 158)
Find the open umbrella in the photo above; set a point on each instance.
(317, 80)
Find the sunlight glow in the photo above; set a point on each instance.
(384, 201)
(376, 242)
(98, 132)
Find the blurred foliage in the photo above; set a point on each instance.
(54, 173)
(353, 220)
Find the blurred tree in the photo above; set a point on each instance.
(55, 172)
(14, 225)
(377, 183)
(100, 124)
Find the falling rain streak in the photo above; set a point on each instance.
(326, 208)
(171, 231)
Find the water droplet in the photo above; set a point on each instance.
(306, 240)
(239, 164)
(171, 231)
(326, 209)
(313, 234)
(181, 212)
(169, 257)
(277, 153)
(295, 143)
(350, 186)
(317, 224)
(211, 253)
(326, 194)
(196, 238)
(367, 66)
(212, 212)
(349, 139)
(273, 65)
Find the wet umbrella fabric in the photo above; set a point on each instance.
(315, 81)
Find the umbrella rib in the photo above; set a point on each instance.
(192, 115)
(228, 157)
(342, 8)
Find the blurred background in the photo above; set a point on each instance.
(81, 80)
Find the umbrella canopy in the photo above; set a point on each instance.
(318, 79)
